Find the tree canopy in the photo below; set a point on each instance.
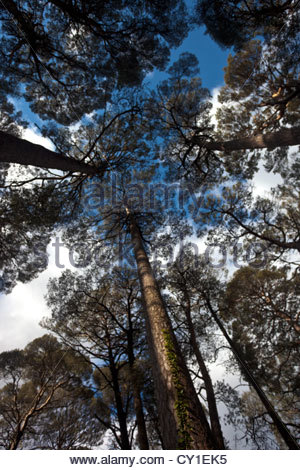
(138, 178)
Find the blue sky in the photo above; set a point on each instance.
(212, 59)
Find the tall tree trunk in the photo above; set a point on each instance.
(137, 399)
(182, 419)
(140, 417)
(280, 426)
(16, 150)
(211, 399)
(282, 138)
(125, 444)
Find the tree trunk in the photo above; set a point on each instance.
(16, 150)
(125, 444)
(182, 419)
(211, 399)
(16, 439)
(282, 138)
(280, 426)
(137, 399)
(140, 418)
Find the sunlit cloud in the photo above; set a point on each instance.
(32, 136)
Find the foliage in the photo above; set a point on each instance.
(261, 307)
(99, 317)
(44, 386)
(236, 21)
(61, 49)
(23, 246)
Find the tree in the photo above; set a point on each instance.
(61, 49)
(206, 291)
(234, 22)
(178, 282)
(260, 101)
(202, 435)
(10, 122)
(172, 111)
(60, 195)
(16, 150)
(278, 339)
(126, 214)
(258, 425)
(76, 154)
(110, 340)
(259, 104)
(273, 292)
(279, 425)
(179, 110)
(261, 88)
(282, 138)
(182, 122)
(120, 44)
(71, 425)
(267, 225)
(38, 379)
(129, 286)
(23, 246)
(184, 424)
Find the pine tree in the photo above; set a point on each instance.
(185, 302)
(59, 50)
(99, 317)
(36, 381)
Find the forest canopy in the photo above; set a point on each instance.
(182, 300)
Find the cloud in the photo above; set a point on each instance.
(263, 182)
(24, 308)
(215, 104)
(21, 312)
(32, 136)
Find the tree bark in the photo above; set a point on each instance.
(211, 399)
(16, 150)
(282, 138)
(16, 439)
(280, 426)
(137, 399)
(121, 414)
(182, 419)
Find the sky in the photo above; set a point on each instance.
(212, 59)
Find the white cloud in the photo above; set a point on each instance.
(21, 312)
(215, 104)
(32, 136)
(264, 181)
(24, 308)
